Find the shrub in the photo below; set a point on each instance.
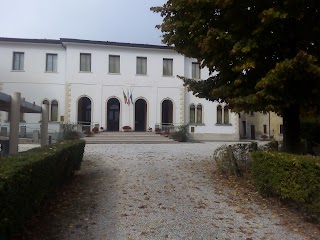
(234, 159)
(180, 135)
(293, 178)
(28, 178)
(273, 145)
(88, 133)
(69, 133)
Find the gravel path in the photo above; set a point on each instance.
(147, 191)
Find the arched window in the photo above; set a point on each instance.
(199, 113)
(219, 114)
(226, 115)
(54, 111)
(45, 102)
(192, 113)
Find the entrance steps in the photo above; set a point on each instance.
(127, 137)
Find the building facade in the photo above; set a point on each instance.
(261, 125)
(110, 85)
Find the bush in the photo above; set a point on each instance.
(234, 159)
(28, 178)
(69, 133)
(293, 178)
(180, 135)
(273, 145)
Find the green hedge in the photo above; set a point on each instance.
(28, 178)
(294, 178)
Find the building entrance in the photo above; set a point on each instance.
(140, 115)
(167, 112)
(84, 113)
(113, 114)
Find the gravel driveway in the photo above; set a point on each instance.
(146, 191)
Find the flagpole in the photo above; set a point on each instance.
(130, 99)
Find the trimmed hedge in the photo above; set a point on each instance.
(294, 178)
(28, 178)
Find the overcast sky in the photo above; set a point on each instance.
(103, 20)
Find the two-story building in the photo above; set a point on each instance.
(112, 85)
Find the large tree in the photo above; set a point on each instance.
(263, 55)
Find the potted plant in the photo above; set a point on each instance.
(158, 130)
(126, 128)
(166, 134)
(95, 130)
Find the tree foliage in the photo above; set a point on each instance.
(262, 55)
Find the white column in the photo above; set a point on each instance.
(44, 125)
(14, 122)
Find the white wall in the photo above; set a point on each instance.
(69, 84)
(99, 85)
(34, 83)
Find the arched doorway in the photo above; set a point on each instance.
(140, 115)
(113, 114)
(167, 112)
(84, 112)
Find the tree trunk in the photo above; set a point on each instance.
(291, 129)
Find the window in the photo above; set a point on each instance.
(264, 128)
(281, 129)
(53, 108)
(167, 67)
(54, 111)
(51, 62)
(114, 64)
(85, 62)
(244, 126)
(219, 114)
(18, 61)
(226, 115)
(195, 70)
(192, 113)
(142, 65)
(223, 115)
(45, 102)
(199, 113)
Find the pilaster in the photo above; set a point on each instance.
(182, 107)
(67, 103)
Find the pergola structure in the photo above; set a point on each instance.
(15, 105)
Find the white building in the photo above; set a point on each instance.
(85, 82)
